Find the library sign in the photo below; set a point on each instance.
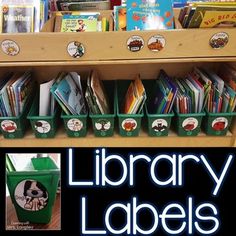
(192, 217)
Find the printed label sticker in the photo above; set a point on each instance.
(190, 124)
(156, 43)
(135, 43)
(75, 49)
(9, 126)
(75, 124)
(102, 125)
(219, 124)
(219, 40)
(10, 47)
(42, 126)
(129, 124)
(159, 125)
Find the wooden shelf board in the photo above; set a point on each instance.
(143, 140)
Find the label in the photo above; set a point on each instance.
(75, 49)
(10, 47)
(102, 125)
(159, 125)
(190, 124)
(219, 40)
(135, 43)
(9, 126)
(42, 126)
(31, 195)
(219, 124)
(75, 124)
(129, 124)
(156, 43)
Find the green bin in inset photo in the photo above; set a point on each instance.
(188, 124)
(75, 125)
(129, 124)
(33, 190)
(15, 126)
(103, 124)
(217, 124)
(43, 126)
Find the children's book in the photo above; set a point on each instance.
(120, 18)
(149, 14)
(79, 23)
(17, 18)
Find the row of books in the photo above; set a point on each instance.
(17, 16)
(68, 91)
(15, 90)
(208, 14)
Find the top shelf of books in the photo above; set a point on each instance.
(118, 45)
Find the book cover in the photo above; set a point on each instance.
(120, 18)
(79, 23)
(17, 18)
(149, 14)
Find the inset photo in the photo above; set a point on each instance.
(33, 192)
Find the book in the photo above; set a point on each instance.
(120, 18)
(17, 18)
(149, 14)
(79, 23)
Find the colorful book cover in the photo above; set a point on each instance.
(79, 23)
(17, 18)
(120, 18)
(149, 14)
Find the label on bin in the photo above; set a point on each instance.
(31, 195)
(159, 125)
(75, 49)
(219, 124)
(8, 126)
(75, 124)
(129, 124)
(10, 47)
(135, 43)
(190, 124)
(102, 125)
(156, 43)
(42, 126)
(219, 40)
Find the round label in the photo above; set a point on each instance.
(135, 43)
(75, 124)
(219, 40)
(129, 124)
(31, 195)
(10, 47)
(219, 123)
(8, 126)
(159, 125)
(42, 126)
(190, 124)
(156, 43)
(75, 49)
(102, 125)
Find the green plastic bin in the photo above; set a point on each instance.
(103, 124)
(188, 124)
(217, 124)
(15, 126)
(43, 126)
(33, 191)
(129, 124)
(75, 125)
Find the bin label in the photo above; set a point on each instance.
(9, 126)
(31, 195)
(156, 43)
(102, 125)
(10, 47)
(135, 43)
(75, 124)
(219, 124)
(219, 40)
(75, 49)
(159, 125)
(42, 126)
(129, 124)
(190, 124)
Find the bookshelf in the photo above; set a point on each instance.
(107, 52)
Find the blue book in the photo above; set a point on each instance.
(149, 14)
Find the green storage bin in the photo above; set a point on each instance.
(217, 124)
(103, 124)
(188, 124)
(129, 124)
(75, 125)
(43, 126)
(15, 126)
(33, 190)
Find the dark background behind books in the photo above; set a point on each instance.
(197, 184)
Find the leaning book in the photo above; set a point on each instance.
(17, 18)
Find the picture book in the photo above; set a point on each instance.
(17, 18)
(120, 18)
(79, 23)
(149, 14)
